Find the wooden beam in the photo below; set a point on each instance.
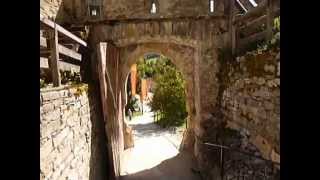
(68, 52)
(269, 19)
(62, 30)
(44, 63)
(242, 6)
(43, 42)
(258, 11)
(54, 65)
(252, 26)
(232, 30)
(253, 38)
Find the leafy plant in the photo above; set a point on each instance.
(169, 94)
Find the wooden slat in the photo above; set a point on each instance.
(253, 38)
(258, 11)
(242, 6)
(269, 19)
(62, 30)
(232, 30)
(43, 42)
(252, 26)
(54, 65)
(68, 52)
(44, 63)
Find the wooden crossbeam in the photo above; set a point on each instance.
(43, 42)
(68, 52)
(65, 66)
(242, 6)
(253, 38)
(258, 11)
(62, 30)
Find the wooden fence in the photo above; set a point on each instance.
(56, 42)
(255, 25)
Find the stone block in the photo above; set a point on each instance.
(275, 156)
(51, 116)
(57, 139)
(278, 69)
(64, 93)
(268, 105)
(46, 148)
(269, 68)
(47, 96)
(73, 120)
(50, 128)
(46, 108)
(263, 145)
(57, 103)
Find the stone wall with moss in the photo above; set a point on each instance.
(72, 137)
(246, 116)
(251, 99)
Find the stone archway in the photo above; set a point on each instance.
(183, 58)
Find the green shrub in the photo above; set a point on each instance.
(169, 95)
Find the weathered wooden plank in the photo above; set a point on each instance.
(258, 11)
(242, 6)
(65, 66)
(253, 38)
(269, 19)
(252, 26)
(43, 42)
(45, 52)
(44, 63)
(232, 30)
(68, 52)
(62, 30)
(54, 65)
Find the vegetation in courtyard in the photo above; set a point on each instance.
(169, 93)
(67, 78)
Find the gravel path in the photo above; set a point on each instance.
(156, 153)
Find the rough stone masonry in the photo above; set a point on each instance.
(71, 139)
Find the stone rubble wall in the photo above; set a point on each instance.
(246, 117)
(251, 101)
(68, 144)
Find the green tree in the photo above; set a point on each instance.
(169, 94)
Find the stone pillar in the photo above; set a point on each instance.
(133, 79)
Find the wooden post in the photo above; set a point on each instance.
(269, 19)
(54, 64)
(232, 27)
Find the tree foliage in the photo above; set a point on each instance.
(169, 93)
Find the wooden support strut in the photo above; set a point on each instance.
(269, 19)
(54, 64)
(232, 29)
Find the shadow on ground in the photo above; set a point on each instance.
(147, 130)
(176, 168)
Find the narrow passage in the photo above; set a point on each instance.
(156, 153)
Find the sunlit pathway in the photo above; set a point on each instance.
(155, 154)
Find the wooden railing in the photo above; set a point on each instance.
(51, 49)
(248, 28)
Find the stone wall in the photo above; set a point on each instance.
(53, 9)
(77, 10)
(72, 137)
(246, 117)
(251, 100)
